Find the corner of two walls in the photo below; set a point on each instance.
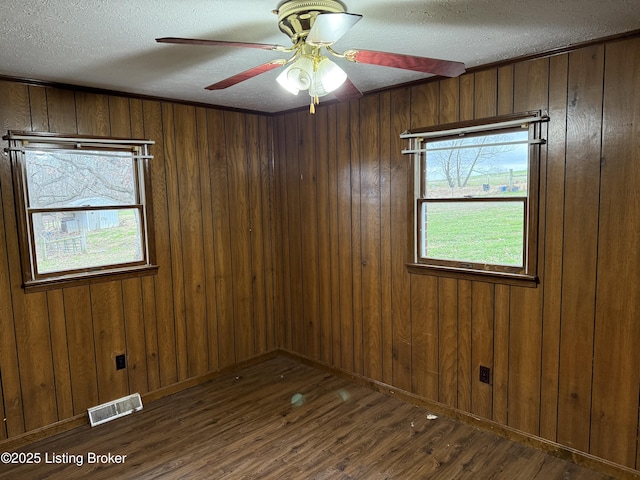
(564, 357)
(210, 306)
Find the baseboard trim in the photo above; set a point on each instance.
(552, 448)
(82, 420)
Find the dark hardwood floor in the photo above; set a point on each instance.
(254, 425)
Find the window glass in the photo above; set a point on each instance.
(476, 195)
(70, 179)
(479, 166)
(83, 207)
(482, 232)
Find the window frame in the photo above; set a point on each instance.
(33, 280)
(418, 138)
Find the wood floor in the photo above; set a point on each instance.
(245, 426)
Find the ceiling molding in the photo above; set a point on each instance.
(478, 68)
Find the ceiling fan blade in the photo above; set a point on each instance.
(445, 68)
(329, 27)
(347, 91)
(246, 75)
(217, 43)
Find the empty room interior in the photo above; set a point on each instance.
(265, 252)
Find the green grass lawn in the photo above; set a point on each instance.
(479, 233)
(105, 246)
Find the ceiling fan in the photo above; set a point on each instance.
(313, 27)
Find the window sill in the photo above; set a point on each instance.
(530, 281)
(88, 278)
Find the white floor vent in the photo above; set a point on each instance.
(115, 409)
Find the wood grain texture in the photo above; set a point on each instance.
(520, 333)
(325, 313)
(308, 208)
(177, 287)
(356, 233)
(244, 426)
(582, 189)
(370, 201)
(400, 278)
(191, 234)
(57, 348)
(525, 330)
(616, 359)
(554, 245)
(234, 171)
(162, 282)
(344, 236)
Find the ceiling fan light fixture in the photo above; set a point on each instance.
(328, 77)
(298, 76)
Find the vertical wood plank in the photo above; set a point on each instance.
(344, 235)
(482, 298)
(60, 353)
(530, 93)
(135, 344)
(197, 335)
(282, 234)
(386, 143)
(235, 135)
(82, 353)
(254, 140)
(448, 336)
(221, 209)
(467, 95)
(268, 218)
(309, 233)
(449, 108)
(175, 239)
(162, 281)
(211, 298)
(616, 359)
(501, 354)
(134, 322)
(38, 108)
(505, 90)
(334, 246)
(321, 142)
(424, 336)
(356, 235)
(298, 343)
(400, 217)
(370, 236)
(149, 341)
(582, 184)
(424, 105)
(61, 108)
(464, 345)
(556, 151)
(109, 339)
(486, 93)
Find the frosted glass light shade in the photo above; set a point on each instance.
(331, 76)
(297, 76)
(301, 75)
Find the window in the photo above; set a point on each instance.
(83, 207)
(475, 192)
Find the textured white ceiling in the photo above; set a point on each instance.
(110, 44)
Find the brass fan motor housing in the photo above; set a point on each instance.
(296, 17)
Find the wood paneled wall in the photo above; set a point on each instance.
(211, 304)
(564, 356)
(292, 231)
